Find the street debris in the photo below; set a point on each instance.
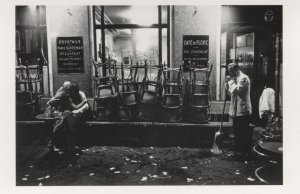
(246, 162)
(144, 178)
(112, 168)
(27, 175)
(133, 161)
(165, 173)
(77, 154)
(179, 147)
(91, 174)
(117, 172)
(127, 159)
(48, 176)
(41, 178)
(151, 157)
(137, 171)
(30, 166)
(189, 180)
(250, 179)
(40, 184)
(151, 148)
(272, 161)
(236, 173)
(184, 167)
(24, 179)
(154, 164)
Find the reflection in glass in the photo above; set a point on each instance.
(141, 15)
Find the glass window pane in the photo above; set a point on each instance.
(164, 14)
(98, 15)
(98, 43)
(164, 43)
(132, 45)
(141, 15)
(26, 15)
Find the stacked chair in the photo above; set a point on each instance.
(172, 95)
(127, 94)
(149, 92)
(28, 89)
(105, 93)
(199, 95)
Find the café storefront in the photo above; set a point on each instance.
(61, 43)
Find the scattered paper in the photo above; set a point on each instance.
(77, 154)
(137, 171)
(40, 184)
(112, 168)
(117, 172)
(151, 157)
(246, 162)
(24, 179)
(189, 179)
(133, 161)
(144, 178)
(200, 178)
(237, 173)
(179, 147)
(48, 176)
(30, 166)
(27, 175)
(151, 148)
(41, 178)
(280, 149)
(154, 176)
(91, 174)
(154, 164)
(184, 167)
(165, 173)
(274, 162)
(250, 179)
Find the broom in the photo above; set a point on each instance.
(219, 134)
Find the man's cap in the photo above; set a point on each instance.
(233, 66)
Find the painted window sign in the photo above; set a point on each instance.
(70, 55)
(195, 50)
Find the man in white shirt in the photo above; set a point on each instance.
(238, 86)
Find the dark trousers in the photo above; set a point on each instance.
(242, 134)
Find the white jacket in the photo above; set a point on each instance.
(267, 101)
(239, 89)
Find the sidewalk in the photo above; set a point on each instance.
(103, 165)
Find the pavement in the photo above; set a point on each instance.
(120, 165)
(104, 165)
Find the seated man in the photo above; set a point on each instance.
(60, 99)
(66, 131)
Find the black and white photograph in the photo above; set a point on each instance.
(157, 94)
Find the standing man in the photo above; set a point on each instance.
(238, 86)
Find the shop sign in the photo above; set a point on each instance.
(70, 55)
(195, 50)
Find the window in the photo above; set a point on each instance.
(132, 34)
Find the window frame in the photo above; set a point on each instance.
(102, 26)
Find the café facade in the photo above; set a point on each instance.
(70, 42)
